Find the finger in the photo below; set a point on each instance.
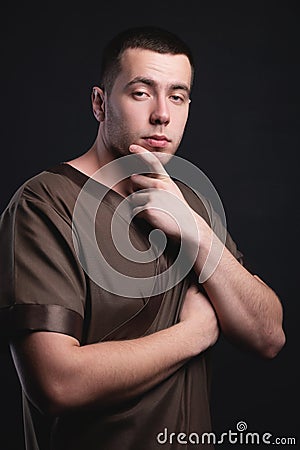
(193, 288)
(144, 182)
(150, 158)
(139, 199)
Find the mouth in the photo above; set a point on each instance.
(157, 141)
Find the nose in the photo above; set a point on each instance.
(160, 114)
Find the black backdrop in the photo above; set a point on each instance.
(243, 132)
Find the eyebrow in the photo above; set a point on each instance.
(152, 83)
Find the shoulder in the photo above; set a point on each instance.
(56, 187)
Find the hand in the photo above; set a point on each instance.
(200, 318)
(159, 200)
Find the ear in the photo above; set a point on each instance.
(98, 103)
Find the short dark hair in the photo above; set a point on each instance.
(145, 37)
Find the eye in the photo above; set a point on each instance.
(178, 99)
(140, 95)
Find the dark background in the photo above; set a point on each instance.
(243, 132)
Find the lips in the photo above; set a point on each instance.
(158, 141)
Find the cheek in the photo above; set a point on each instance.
(137, 116)
(133, 111)
(179, 118)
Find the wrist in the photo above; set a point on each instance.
(210, 249)
(202, 234)
(188, 340)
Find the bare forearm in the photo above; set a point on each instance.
(121, 370)
(248, 310)
(59, 375)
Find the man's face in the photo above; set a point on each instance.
(149, 102)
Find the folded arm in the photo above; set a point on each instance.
(58, 375)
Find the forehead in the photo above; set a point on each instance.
(162, 67)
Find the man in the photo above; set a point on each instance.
(100, 369)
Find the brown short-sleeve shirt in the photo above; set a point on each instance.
(46, 287)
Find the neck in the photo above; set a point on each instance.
(97, 157)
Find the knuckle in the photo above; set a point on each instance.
(156, 183)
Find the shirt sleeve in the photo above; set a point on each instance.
(42, 283)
